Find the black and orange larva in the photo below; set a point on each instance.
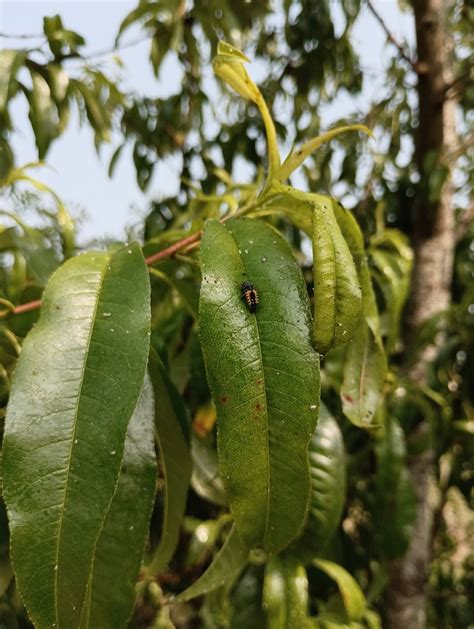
(250, 296)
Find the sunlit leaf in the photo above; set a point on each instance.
(351, 593)
(337, 294)
(228, 66)
(298, 156)
(43, 113)
(10, 63)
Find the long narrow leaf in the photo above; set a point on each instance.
(337, 294)
(351, 593)
(228, 66)
(297, 157)
(328, 487)
(285, 594)
(174, 460)
(76, 386)
(365, 364)
(119, 549)
(226, 565)
(264, 376)
(10, 62)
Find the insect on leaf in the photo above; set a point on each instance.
(264, 376)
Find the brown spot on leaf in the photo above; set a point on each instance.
(224, 399)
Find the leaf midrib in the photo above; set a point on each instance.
(86, 355)
(267, 423)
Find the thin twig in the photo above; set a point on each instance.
(16, 310)
(401, 49)
(172, 249)
(105, 52)
(13, 36)
(160, 255)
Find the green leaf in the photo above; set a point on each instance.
(337, 294)
(76, 386)
(264, 377)
(37, 251)
(396, 536)
(328, 487)
(206, 480)
(363, 376)
(392, 261)
(160, 45)
(285, 594)
(390, 450)
(6, 160)
(355, 240)
(365, 363)
(139, 12)
(352, 595)
(246, 600)
(174, 459)
(297, 157)
(58, 81)
(10, 63)
(114, 159)
(228, 66)
(96, 112)
(119, 549)
(226, 565)
(395, 504)
(296, 205)
(43, 114)
(61, 41)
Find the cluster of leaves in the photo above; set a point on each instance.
(85, 407)
(348, 508)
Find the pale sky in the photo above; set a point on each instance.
(77, 173)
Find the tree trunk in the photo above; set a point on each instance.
(433, 239)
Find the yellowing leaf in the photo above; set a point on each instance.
(298, 156)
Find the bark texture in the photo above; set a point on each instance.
(433, 238)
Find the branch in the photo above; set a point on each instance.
(172, 249)
(106, 51)
(156, 257)
(457, 84)
(13, 36)
(16, 310)
(401, 49)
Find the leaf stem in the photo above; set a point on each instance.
(188, 243)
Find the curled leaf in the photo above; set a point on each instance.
(228, 66)
(337, 293)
